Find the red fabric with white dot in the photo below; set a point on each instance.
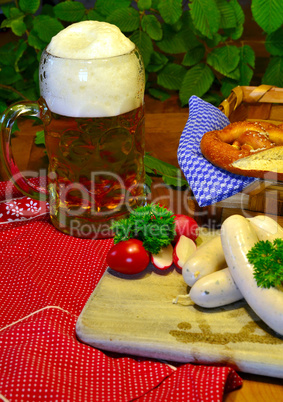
(46, 279)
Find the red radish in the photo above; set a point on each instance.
(164, 259)
(184, 248)
(187, 226)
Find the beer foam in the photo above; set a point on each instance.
(90, 40)
(91, 70)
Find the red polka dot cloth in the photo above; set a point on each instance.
(46, 279)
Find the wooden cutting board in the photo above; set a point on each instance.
(136, 315)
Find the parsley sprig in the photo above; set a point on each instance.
(267, 259)
(152, 224)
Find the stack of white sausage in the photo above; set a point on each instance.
(219, 272)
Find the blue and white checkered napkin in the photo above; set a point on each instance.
(209, 183)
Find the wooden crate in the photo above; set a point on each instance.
(263, 103)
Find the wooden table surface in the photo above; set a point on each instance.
(164, 124)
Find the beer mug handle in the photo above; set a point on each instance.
(7, 120)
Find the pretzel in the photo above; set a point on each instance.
(240, 140)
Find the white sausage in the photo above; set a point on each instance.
(208, 258)
(238, 237)
(266, 228)
(215, 290)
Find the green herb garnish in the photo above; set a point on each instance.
(267, 259)
(152, 224)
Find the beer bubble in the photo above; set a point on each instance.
(108, 148)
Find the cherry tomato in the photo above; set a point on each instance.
(128, 257)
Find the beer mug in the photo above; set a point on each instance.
(92, 112)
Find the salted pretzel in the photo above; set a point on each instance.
(224, 148)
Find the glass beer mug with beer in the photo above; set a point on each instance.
(92, 108)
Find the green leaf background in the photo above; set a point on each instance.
(197, 81)
(170, 10)
(70, 11)
(190, 47)
(152, 26)
(206, 16)
(29, 6)
(268, 14)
